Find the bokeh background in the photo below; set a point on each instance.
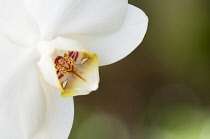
(162, 89)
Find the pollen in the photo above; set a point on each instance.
(65, 64)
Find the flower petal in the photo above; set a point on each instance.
(21, 100)
(47, 68)
(9, 53)
(59, 116)
(16, 24)
(66, 44)
(48, 13)
(26, 111)
(91, 17)
(57, 17)
(114, 47)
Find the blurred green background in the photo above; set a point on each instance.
(162, 89)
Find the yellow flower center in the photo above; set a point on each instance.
(65, 64)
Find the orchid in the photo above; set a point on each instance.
(50, 51)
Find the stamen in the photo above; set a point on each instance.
(64, 64)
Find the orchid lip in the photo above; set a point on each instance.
(72, 71)
(71, 68)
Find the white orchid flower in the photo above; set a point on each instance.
(50, 50)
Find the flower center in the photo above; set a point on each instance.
(65, 64)
(68, 65)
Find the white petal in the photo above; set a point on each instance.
(26, 111)
(118, 45)
(94, 17)
(48, 13)
(77, 16)
(9, 53)
(21, 100)
(16, 24)
(65, 44)
(59, 116)
(47, 68)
